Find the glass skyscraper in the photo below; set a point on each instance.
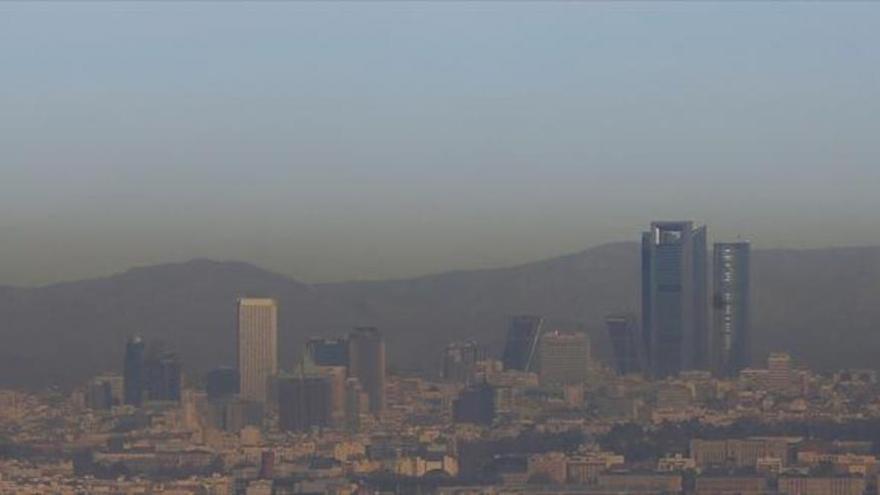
(730, 302)
(675, 298)
(522, 343)
(134, 372)
(625, 343)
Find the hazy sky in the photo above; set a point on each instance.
(359, 140)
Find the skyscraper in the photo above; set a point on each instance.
(675, 297)
(366, 356)
(257, 346)
(304, 402)
(134, 372)
(563, 358)
(731, 342)
(328, 352)
(626, 343)
(475, 404)
(163, 376)
(459, 359)
(105, 391)
(522, 342)
(356, 403)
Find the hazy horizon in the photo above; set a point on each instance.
(343, 141)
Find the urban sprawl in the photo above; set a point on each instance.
(680, 407)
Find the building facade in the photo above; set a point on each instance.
(366, 355)
(731, 293)
(134, 372)
(257, 347)
(563, 358)
(304, 402)
(522, 342)
(328, 352)
(675, 298)
(626, 344)
(459, 361)
(163, 376)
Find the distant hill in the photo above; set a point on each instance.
(823, 305)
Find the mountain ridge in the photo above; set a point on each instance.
(804, 300)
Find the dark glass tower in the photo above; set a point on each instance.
(134, 372)
(730, 302)
(522, 342)
(163, 376)
(475, 404)
(366, 355)
(328, 352)
(625, 343)
(303, 402)
(675, 298)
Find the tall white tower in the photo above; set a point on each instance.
(257, 346)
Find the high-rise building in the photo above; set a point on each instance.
(304, 402)
(675, 297)
(780, 376)
(134, 372)
(356, 403)
(336, 376)
(475, 404)
(459, 360)
(563, 358)
(328, 352)
(163, 376)
(221, 383)
(366, 357)
(257, 346)
(232, 414)
(522, 342)
(730, 301)
(104, 391)
(626, 343)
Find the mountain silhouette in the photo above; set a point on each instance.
(822, 305)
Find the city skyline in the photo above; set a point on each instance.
(439, 248)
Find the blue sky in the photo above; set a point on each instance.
(344, 140)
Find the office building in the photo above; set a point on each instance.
(459, 361)
(730, 303)
(257, 332)
(231, 414)
(336, 376)
(328, 352)
(824, 485)
(780, 376)
(163, 376)
(626, 343)
(475, 404)
(563, 358)
(366, 355)
(356, 403)
(675, 298)
(304, 402)
(522, 342)
(134, 372)
(105, 391)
